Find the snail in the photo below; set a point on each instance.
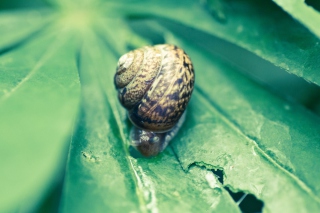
(154, 84)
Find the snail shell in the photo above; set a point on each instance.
(154, 84)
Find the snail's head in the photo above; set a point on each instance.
(148, 143)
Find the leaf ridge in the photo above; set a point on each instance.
(35, 32)
(145, 189)
(46, 56)
(112, 102)
(237, 128)
(303, 13)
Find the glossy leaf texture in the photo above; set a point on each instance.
(60, 115)
(39, 98)
(260, 27)
(101, 166)
(255, 134)
(302, 12)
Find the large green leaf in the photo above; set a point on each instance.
(266, 146)
(38, 104)
(303, 13)
(16, 27)
(260, 27)
(251, 133)
(101, 166)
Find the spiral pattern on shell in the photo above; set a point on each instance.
(155, 84)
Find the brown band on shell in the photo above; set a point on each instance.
(128, 66)
(162, 106)
(132, 94)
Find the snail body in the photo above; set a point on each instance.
(154, 84)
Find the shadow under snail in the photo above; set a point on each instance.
(154, 84)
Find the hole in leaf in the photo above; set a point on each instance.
(247, 203)
(313, 3)
(219, 174)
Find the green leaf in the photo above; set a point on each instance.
(265, 146)
(18, 26)
(252, 134)
(260, 27)
(100, 164)
(39, 96)
(303, 13)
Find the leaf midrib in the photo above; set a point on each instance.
(116, 114)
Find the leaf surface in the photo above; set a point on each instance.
(39, 96)
(307, 15)
(265, 145)
(101, 166)
(260, 27)
(248, 132)
(16, 27)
